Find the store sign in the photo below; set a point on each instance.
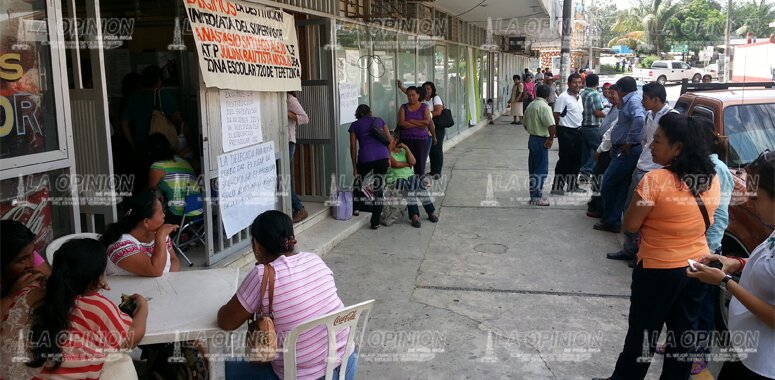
(245, 47)
(21, 114)
(247, 183)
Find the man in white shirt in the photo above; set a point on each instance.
(568, 110)
(539, 78)
(655, 103)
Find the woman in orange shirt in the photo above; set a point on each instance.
(671, 208)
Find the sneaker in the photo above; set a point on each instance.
(513, 123)
(300, 215)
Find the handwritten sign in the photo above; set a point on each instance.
(348, 102)
(247, 183)
(245, 47)
(240, 119)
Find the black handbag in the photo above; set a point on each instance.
(444, 120)
(378, 133)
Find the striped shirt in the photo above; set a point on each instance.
(97, 327)
(304, 289)
(128, 246)
(179, 181)
(592, 102)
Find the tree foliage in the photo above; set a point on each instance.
(752, 16)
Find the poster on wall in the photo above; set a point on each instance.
(348, 102)
(240, 119)
(245, 47)
(31, 207)
(27, 124)
(247, 183)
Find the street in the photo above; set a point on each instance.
(497, 289)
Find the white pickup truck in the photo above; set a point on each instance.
(668, 71)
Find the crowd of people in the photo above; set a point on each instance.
(659, 176)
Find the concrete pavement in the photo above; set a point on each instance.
(497, 289)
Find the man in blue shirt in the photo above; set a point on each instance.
(625, 151)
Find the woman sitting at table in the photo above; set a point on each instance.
(87, 326)
(139, 243)
(21, 285)
(304, 288)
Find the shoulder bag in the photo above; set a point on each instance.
(378, 133)
(160, 123)
(261, 339)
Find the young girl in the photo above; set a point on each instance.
(87, 326)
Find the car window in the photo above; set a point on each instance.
(659, 65)
(676, 65)
(681, 106)
(704, 111)
(685, 66)
(750, 129)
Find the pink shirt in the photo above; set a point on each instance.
(304, 289)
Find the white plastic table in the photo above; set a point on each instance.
(183, 305)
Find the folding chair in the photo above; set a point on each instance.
(193, 224)
(334, 322)
(52, 247)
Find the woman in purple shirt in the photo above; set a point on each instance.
(414, 119)
(371, 157)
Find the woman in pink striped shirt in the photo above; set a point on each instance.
(304, 288)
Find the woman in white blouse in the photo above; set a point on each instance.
(752, 310)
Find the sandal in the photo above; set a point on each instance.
(433, 218)
(416, 223)
(356, 212)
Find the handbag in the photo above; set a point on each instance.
(160, 123)
(378, 133)
(342, 209)
(261, 339)
(444, 120)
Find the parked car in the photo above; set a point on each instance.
(745, 116)
(712, 70)
(668, 71)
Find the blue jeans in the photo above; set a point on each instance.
(538, 166)
(590, 140)
(238, 370)
(415, 192)
(616, 182)
(295, 201)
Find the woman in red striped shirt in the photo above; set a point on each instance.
(75, 327)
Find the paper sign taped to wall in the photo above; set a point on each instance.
(348, 102)
(240, 119)
(247, 185)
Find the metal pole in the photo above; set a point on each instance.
(567, 27)
(726, 42)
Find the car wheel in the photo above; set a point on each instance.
(696, 78)
(662, 80)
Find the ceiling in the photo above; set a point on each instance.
(517, 18)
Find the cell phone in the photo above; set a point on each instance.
(692, 264)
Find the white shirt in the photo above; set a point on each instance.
(646, 161)
(435, 101)
(758, 278)
(539, 77)
(127, 245)
(552, 93)
(575, 110)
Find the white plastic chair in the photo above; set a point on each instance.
(334, 322)
(54, 245)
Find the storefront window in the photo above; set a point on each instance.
(383, 77)
(424, 60)
(27, 110)
(407, 68)
(42, 202)
(440, 72)
(353, 58)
